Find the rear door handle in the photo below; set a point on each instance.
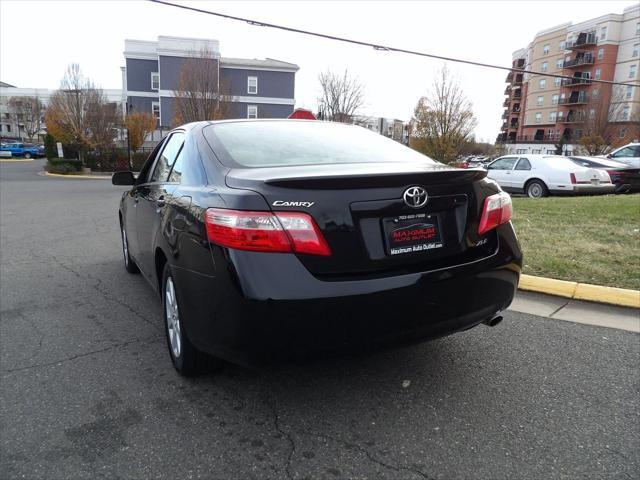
(161, 202)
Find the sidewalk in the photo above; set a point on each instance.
(578, 311)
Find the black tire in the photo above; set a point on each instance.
(27, 155)
(536, 189)
(186, 358)
(129, 265)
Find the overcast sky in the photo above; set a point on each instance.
(38, 39)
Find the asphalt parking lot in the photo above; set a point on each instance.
(88, 390)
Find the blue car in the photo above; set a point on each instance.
(22, 150)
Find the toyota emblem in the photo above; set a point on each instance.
(415, 197)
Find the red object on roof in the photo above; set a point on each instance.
(302, 114)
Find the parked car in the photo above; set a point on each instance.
(629, 154)
(22, 150)
(272, 237)
(625, 178)
(4, 153)
(540, 175)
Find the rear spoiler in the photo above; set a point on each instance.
(380, 180)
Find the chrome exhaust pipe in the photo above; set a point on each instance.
(493, 321)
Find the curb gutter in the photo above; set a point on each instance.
(581, 291)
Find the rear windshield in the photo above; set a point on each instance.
(284, 143)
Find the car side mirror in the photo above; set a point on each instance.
(123, 178)
(609, 155)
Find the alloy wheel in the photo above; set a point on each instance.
(173, 318)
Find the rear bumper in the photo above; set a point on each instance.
(608, 188)
(263, 306)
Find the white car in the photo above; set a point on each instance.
(629, 154)
(541, 175)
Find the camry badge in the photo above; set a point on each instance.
(281, 203)
(415, 197)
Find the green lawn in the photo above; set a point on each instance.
(584, 239)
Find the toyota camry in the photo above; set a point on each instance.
(283, 237)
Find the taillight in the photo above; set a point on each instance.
(265, 231)
(575, 181)
(496, 211)
(616, 174)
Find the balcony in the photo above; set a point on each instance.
(576, 82)
(584, 40)
(517, 95)
(519, 63)
(509, 77)
(574, 100)
(514, 125)
(515, 110)
(507, 91)
(572, 118)
(506, 102)
(505, 115)
(576, 62)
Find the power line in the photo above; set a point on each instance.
(378, 47)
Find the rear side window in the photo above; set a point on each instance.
(167, 157)
(283, 143)
(503, 164)
(523, 164)
(627, 152)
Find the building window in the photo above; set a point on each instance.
(603, 33)
(8, 128)
(252, 111)
(636, 50)
(521, 150)
(598, 73)
(540, 100)
(552, 116)
(638, 28)
(155, 109)
(536, 151)
(544, 67)
(557, 81)
(538, 117)
(595, 92)
(155, 81)
(632, 71)
(545, 49)
(252, 85)
(600, 53)
(559, 63)
(626, 112)
(592, 113)
(629, 93)
(543, 84)
(622, 132)
(554, 99)
(562, 46)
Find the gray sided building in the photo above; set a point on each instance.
(257, 88)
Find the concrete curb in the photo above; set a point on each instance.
(16, 160)
(81, 177)
(581, 291)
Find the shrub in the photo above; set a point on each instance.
(50, 148)
(63, 165)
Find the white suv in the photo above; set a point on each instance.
(629, 154)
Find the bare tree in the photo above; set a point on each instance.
(78, 113)
(443, 121)
(103, 120)
(29, 112)
(200, 94)
(341, 96)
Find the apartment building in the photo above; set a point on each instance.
(257, 88)
(550, 108)
(12, 126)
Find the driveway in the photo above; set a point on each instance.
(88, 390)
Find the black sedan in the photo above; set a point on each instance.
(283, 237)
(625, 178)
